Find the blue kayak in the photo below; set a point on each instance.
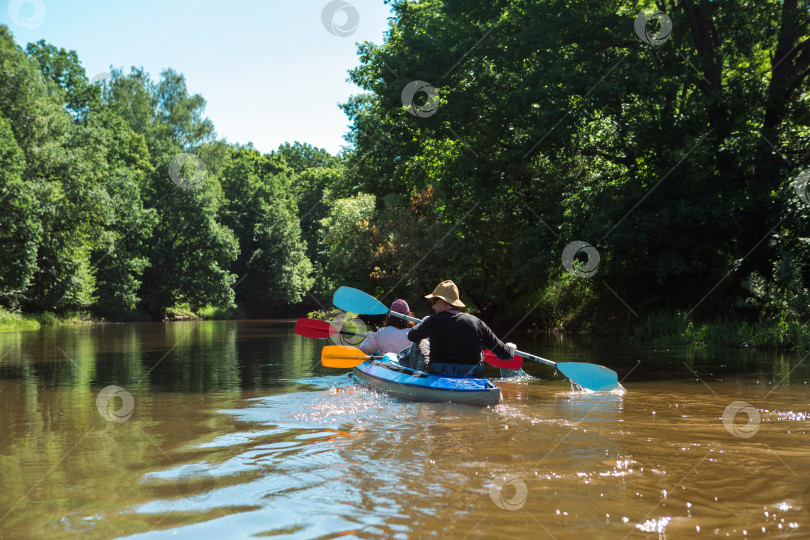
(397, 380)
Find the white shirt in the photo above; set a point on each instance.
(386, 339)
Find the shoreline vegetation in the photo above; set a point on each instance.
(15, 321)
(664, 329)
(119, 200)
(668, 329)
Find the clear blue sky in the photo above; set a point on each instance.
(269, 70)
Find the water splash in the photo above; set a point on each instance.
(577, 389)
(515, 375)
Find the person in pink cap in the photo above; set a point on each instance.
(393, 336)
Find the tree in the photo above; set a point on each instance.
(65, 220)
(63, 68)
(302, 156)
(20, 230)
(189, 252)
(345, 239)
(114, 198)
(555, 122)
(121, 256)
(260, 207)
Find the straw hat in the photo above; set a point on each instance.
(447, 291)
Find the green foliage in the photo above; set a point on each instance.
(345, 237)
(118, 198)
(180, 311)
(785, 295)
(47, 319)
(302, 156)
(58, 206)
(668, 329)
(316, 179)
(20, 230)
(564, 303)
(261, 209)
(11, 321)
(556, 123)
(219, 314)
(63, 68)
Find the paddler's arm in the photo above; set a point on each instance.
(370, 345)
(502, 350)
(420, 331)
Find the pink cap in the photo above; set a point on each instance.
(400, 306)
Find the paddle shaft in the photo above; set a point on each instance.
(536, 358)
(519, 353)
(347, 333)
(523, 354)
(403, 316)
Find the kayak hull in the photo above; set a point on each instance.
(415, 385)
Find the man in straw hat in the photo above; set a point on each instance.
(451, 342)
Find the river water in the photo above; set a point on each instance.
(234, 429)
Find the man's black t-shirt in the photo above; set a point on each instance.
(458, 338)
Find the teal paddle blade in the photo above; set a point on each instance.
(357, 301)
(590, 376)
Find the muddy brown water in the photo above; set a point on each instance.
(234, 430)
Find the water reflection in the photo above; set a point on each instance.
(237, 430)
(184, 357)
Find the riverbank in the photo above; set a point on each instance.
(14, 321)
(674, 328)
(666, 329)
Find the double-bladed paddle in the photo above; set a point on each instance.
(317, 329)
(314, 328)
(356, 301)
(342, 356)
(590, 376)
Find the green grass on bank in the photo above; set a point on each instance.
(181, 312)
(329, 314)
(674, 328)
(14, 321)
(219, 314)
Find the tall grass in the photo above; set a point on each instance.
(11, 321)
(184, 311)
(675, 328)
(220, 314)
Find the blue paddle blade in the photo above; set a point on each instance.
(357, 301)
(590, 376)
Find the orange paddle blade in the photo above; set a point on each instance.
(342, 356)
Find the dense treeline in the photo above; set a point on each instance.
(554, 122)
(672, 158)
(117, 197)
